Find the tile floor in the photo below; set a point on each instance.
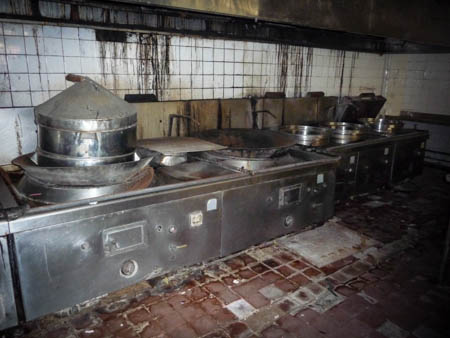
(387, 288)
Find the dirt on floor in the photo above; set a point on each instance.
(376, 275)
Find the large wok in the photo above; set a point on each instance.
(97, 175)
(249, 143)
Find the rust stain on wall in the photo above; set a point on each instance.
(18, 130)
(355, 55)
(283, 59)
(152, 65)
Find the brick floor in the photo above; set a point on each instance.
(386, 292)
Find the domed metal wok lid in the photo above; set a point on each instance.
(86, 106)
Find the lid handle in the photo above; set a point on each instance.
(75, 78)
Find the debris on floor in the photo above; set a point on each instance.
(366, 273)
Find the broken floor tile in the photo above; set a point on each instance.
(326, 301)
(327, 244)
(241, 308)
(263, 318)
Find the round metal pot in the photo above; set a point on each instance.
(87, 144)
(344, 132)
(308, 135)
(85, 125)
(383, 126)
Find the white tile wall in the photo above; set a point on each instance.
(418, 83)
(37, 58)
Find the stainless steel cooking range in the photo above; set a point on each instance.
(93, 210)
(86, 217)
(373, 154)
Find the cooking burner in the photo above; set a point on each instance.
(249, 143)
(308, 135)
(344, 132)
(39, 192)
(239, 163)
(383, 126)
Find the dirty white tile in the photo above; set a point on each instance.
(218, 81)
(56, 81)
(71, 47)
(229, 55)
(53, 46)
(33, 30)
(208, 67)
(3, 64)
(13, 29)
(173, 94)
(248, 55)
(182, 81)
(88, 48)
(19, 82)
(92, 65)
(38, 82)
(218, 54)
(17, 64)
(69, 33)
(241, 309)
(197, 81)
(185, 67)
(228, 93)
(208, 54)
(185, 53)
(248, 69)
(238, 81)
(39, 97)
(197, 94)
(238, 93)
(228, 68)
(391, 330)
(86, 34)
(55, 64)
(185, 41)
(21, 99)
(208, 94)
(218, 93)
(72, 65)
(33, 64)
(2, 45)
(14, 45)
(4, 82)
(218, 68)
(185, 94)
(197, 67)
(218, 43)
(228, 81)
(208, 81)
(5, 99)
(52, 31)
(238, 68)
(36, 64)
(208, 43)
